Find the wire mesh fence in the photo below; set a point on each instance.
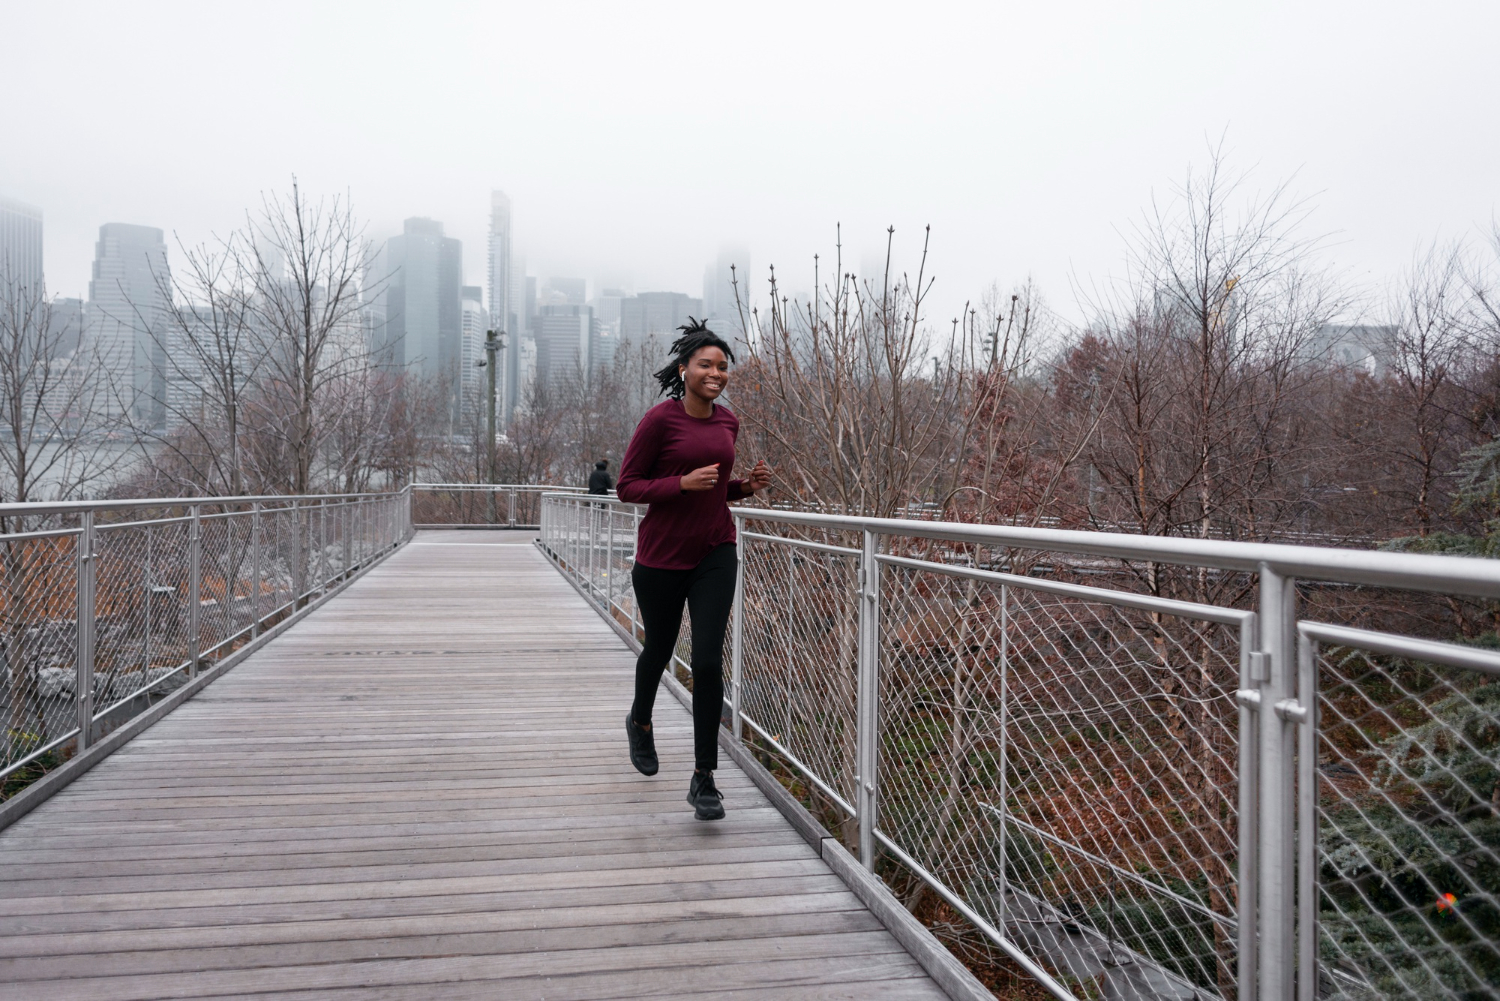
(1136, 767)
(122, 603)
(1068, 766)
(799, 634)
(39, 643)
(1401, 816)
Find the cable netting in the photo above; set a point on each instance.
(1408, 828)
(800, 653)
(39, 644)
(1069, 767)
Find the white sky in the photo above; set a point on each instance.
(635, 139)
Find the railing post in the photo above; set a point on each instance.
(1307, 821)
(737, 635)
(1002, 790)
(1276, 665)
(195, 603)
(346, 519)
(868, 704)
(255, 569)
(323, 543)
(588, 569)
(83, 590)
(512, 493)
(609, 559)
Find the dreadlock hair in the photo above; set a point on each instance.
(695, 335)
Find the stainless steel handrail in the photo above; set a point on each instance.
(1273, 705)
(1411, 571)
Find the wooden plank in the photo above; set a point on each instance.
(396, 890)
(349, 942)
(641, 971)
(422, 791)
(593, 988)
(143, 916)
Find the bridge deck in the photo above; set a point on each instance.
(421, 791)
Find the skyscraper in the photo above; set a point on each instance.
(126, 319)
(565, 338)
(423, 303)
(656, 313)
(517, 335)
(476, 321)
(504, 306)
(65, 326)
(723, 314)
(607, 308)
(20, 246)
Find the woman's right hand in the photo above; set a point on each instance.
(701, 479)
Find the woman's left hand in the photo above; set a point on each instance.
(760, 477)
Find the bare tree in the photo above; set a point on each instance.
(533, 442)
(309, 261)
(56, 443)
(214, 357)
(1429, 347)
(859, 403)
(1208, 357)
(1015, 456)
(377, 420)
(58, 438)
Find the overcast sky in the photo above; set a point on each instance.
(635, 139)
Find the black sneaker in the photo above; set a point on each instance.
(704, 795)
(642, 747)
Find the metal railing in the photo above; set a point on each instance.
(1281, 791)
(106, 607)
(480, 505)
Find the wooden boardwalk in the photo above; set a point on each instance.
(422, 792)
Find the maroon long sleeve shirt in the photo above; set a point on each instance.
(680, 527)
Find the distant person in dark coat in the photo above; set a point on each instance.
(599, 480)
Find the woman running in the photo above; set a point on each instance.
(678, 462)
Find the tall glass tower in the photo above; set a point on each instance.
(20, 247)
(505, 313)
(126, 318)
(424, 302)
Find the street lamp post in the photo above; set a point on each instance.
(493, 342)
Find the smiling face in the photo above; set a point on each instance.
(706, 373)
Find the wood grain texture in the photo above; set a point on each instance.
(422, 791)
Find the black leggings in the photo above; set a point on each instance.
(708, 589)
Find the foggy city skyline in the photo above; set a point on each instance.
(1030, 141)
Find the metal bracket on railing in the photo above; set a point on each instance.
(1248, 697)
(1291, 710)
(1260, 665)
